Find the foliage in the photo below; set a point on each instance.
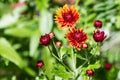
(21, 26)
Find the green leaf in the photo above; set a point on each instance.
(46, 22)
(84, 77)
(90, 17)
(18, 32)
(99, 7)
(58, 78)
(8, 19)
(60, 34)
(7, 51)
(117, 22)
(96, 65)
(80, 57)
(117, 2)
(95, 51)
(62, 51)
(89, 2)
(70, 52)
(103, 15)
(49, 62)
(42, 4)
(30, 71)
(68, 61)
(104, 6)
(111, 48)
(34, 42)
(59, 70)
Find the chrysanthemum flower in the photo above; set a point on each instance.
(67, 16)
(76, 37)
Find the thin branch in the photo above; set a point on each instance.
(53, 54)
(59, 59)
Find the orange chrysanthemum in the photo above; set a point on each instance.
(76, 37)
(67, 17)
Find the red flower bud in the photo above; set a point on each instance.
(98, 24)
(51, 34)
(58, 44)
(90, 72)
(84, 45)
(40, 64)
(99, 36)
(108, 66)
(45, 39)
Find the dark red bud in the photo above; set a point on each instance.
(40, 64)
(99, 36)
(45, 39)
(90, 72)
(98, 24)
(58, 44)
(108, 66)
(51, 34)
(84, 45)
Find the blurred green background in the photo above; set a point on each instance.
(22, 22)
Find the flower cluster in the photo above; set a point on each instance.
(67, 17)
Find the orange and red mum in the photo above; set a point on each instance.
(67, 16)
(76, 37)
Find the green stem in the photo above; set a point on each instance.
(56, 48)
(82, 66)
(66, 67)
(41, 72)
(77, 1)
(90, 78)
(53, 54)
(59, 59)
(84, 63)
